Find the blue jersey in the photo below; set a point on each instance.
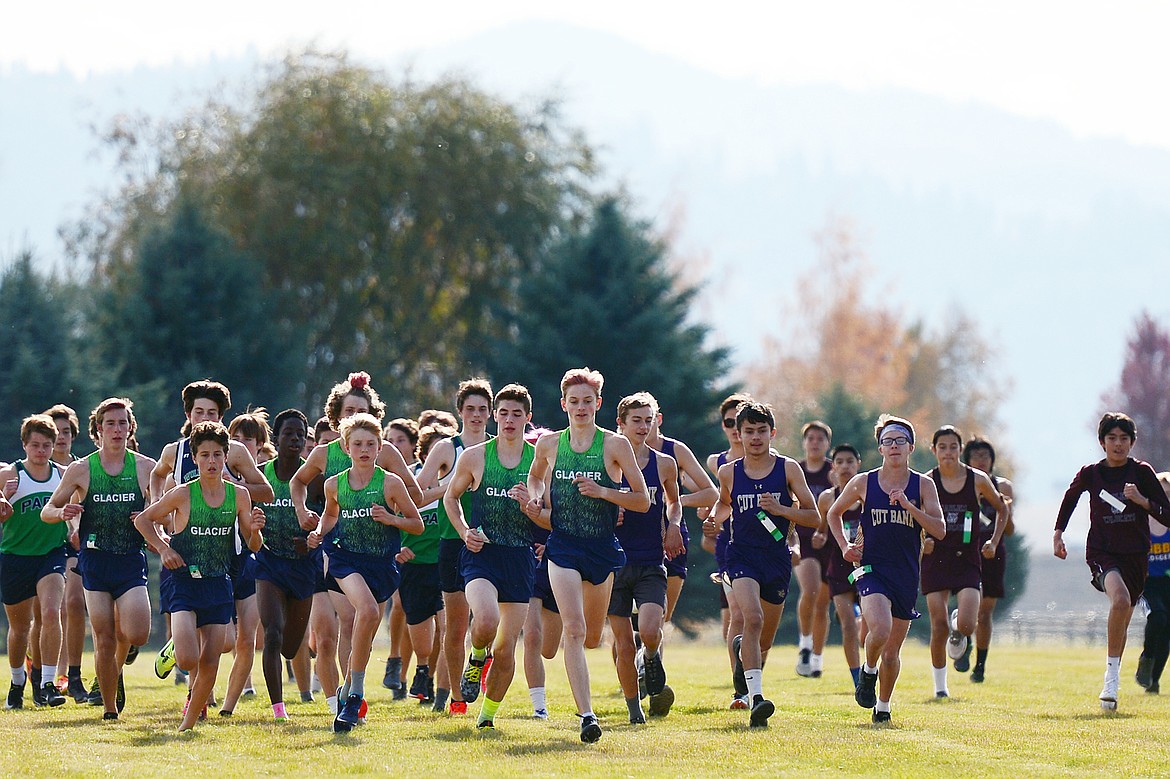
(893, 538)
(755, 535)
(641, 532)
(1160, 554)
(668, 445)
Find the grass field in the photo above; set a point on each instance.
(1036, 715)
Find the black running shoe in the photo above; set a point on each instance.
(660, 704)
(38, 694)
(131, 655)
(1153, 689)
(77, 690)
(392, 680)
(472, 675)
(866, 692)
(963, 662)
(50, 696)
(109, 715)
(881, 717)
(418, 686)
(349, 714)
(590, 729)
(307, 696)
(95, 693)
(655, 674)
(1145, 672)
(737, 678)
(762, 708)
(120, 700)
(15, 697)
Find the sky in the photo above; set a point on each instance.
(1098, 69)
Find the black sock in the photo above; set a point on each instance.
(980, 657)
(75, 672)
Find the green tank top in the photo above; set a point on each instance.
(425, 545)
(280, 518)
(446, 529)
(357, 531)
(25, 533)
(208, 543)
(572, 512)
(336, 460)
(109, 502)
(502, 519)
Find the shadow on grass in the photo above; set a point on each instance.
(1088, 716)
(571, 743)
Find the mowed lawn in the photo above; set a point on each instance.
(1036, 715)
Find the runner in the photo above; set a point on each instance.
(73, 612)
(980, 454)
(542, 627)
(578, 472)
(898, 505)
(812, 609)
(473, 402)
(497, 563)
(648, 538)
(1124, 494)
(759, 495)
(32, 563)
(731, 617)
(402, 434)
(368, 507)
(846, 462)
(203, 517)
(104, 492)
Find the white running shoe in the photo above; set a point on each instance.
(1109, 693)
(957, 642)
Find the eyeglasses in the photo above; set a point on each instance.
(899, 441)
(729, 422)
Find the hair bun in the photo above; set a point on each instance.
(359, 380)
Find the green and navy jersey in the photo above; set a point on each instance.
(281, 527)
(500, 517)
(425, 545)
(25, 533)
(336, 459)
(572, 512)
(356, 530)
(446, 529)
(208, 544)
(106, 523)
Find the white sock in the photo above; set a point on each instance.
(755, 682)
(19, 675)
(869, 669)
(539, 700)
(940, 679)
(589, 713)
(805, 641)
(1113, 667)
(882, 705)
(331, 702)
(817, 662)
(49, 674)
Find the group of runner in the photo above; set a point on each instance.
(309, 533)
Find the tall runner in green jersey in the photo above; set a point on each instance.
(32, 563)
(332, 617)
(360, 504)
(578, 470)
(497, 562)
(105, 491)
(204, 517)
(473, 401)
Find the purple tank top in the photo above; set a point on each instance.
(893, 538)
(641, 532)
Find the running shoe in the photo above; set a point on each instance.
(941, 694)
(109, 715)
(1153, 689)
(762, 708)
(881, 717)
(740, 703)
(804, 663)
(307, 696)
(660, 704)
(38, 693)
(866, 692)
(486, 724)
(392, 680)
(956, 642)
(1109, 693)
(348, 716)
(164, 662)
(458, 707)
(77, 690)
(640, 668)
(963, 661)
(737, 678)
(1145, 672)
(655, 675)
(62, 683)
(363, 710)
(95, 693)
(487, 667)
(418, 686)
(50, 696)
(472, 675)
(15, 697)
(131, 655)
(977, 674)
(590, 729)
(249, 692)
(639, 718)
(540, 713)
(120, 699)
